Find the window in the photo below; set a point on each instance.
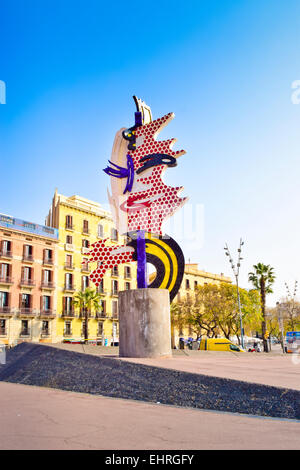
(67, 304)
(127, 285)
(187, 283)
(127, 272)
(48, 256)
(47, 277)
(85, 227)
(69, 239)
(5, 271)
(69, 261)
(115, 308)
(4, 299)
(103, 307)
(85, 282)
(2, 327)
(114, 234)
(115, 270)
(69, 222)
(195, 284)
(24, 328)
(100, 231)
(6, 247)
(115, 287)
(45, 327)
(69, 280)
(233, 347)
(25, 301)
(85, 244)
(101, 287)
(45, 303)
(27, 275)
(100, 328)
(28, 252)
(68, 328)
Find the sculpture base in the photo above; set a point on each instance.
(144, 323)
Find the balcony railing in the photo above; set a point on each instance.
(69, 266)
(27, 282)
(69, 227)
(25, 332)
(67, 333)
(28, 258)
(27, 312)
(69, 247)
(6, 253)
(69, 287)
(47, 285)
(68, 314)
(47, 313)
(48, 261)
(3, 332)
(114, 315)
(115, 292)
(45, 333)
(101, 315)
(85, 268)
(85, 231)
(82, 315)
(115, 272)
(6, 280)
(6, 311)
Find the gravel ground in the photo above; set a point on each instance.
(47, 366)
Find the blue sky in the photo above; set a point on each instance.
(224, 67)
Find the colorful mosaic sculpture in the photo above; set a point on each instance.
(141, 201)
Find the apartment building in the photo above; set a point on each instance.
(82, 222)
(27, 281)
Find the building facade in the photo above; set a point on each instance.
(27, 281)
(81, 223)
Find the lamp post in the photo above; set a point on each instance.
(280, 321)
(236, 271)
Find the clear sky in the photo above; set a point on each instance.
(225, 68)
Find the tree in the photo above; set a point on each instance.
(262, 280)
(86, 301)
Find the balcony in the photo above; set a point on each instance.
(69, 227)
(115, 293)
(69, 247)
(6, 254)
(85, 231)
(6, 311)
(101, 315)
(69, 288)
(67, 333)
(69, 266)
(114, 315)
(26, 312)
(82, 315)
(25, 333)
(48, 261)
(47, 285)
(27, 283)
(45, 333)
(28, 258)
(6, 280)
(115, 272)
(3, 332)
(85, 268)
(68, 314)
(49, 313)
(85, 250)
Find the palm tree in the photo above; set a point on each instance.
(86, 301)
(262, 280)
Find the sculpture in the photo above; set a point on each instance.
(140, 202)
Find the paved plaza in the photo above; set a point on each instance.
(43, 418)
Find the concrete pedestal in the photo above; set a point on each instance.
(144, 323)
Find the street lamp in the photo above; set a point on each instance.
(236, 272)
